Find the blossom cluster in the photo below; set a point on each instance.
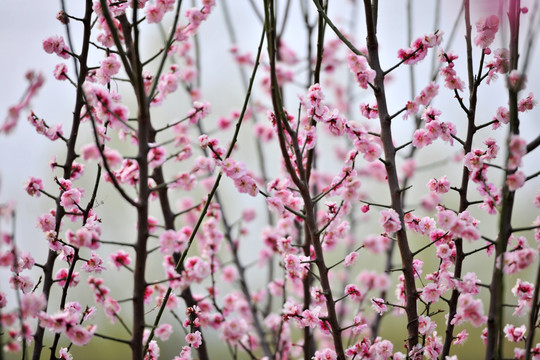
(197, 202)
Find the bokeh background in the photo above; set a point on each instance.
(24, 153)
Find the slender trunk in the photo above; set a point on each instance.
(495, 316)
(48, 267)
(392, 178)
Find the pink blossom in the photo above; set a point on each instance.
(474, 160)
(234, 169)
(200, 110)
(370, 150)
(62, 276)
(408, 168)
(411, 108)
(354, 292)
(21, 282)
(444, 251)
(470, 309)
(469, 284)
(500, 62)
(421, 138)
(152, 353)
(164, 331)
(80, 335)
(419, 48)
(112, 308)
(325, 354)
(70, 199)
(156, 156)
(517, 149)
(516, 80)
(426, 95)
(377, 244)
(311, 317)
(60, 72)
(185, 354)
(440, 186)
(3, 300)
(246, 184)
(90, 152)
(527, 104)
(368, 111)
(32, 304)
(82, 237)
(383, 349)
(502, 115)
(433, 346)
(315, 95)
(460, 338)
(426, 225)
(65, 354)
(379, 305)
(233, 330)
(431, 293)
(516, 180)
(359, 66)
(430, 114)
(55, 44)
(94, 264)
(514, 334)
(486, 28)
(425, 325)
(110, 65)
(389, 220)
(351, 258)
(34, 186)
(523, 290)
(154, 13)
(194, 339)
(229, 274)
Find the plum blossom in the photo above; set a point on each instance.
(21, 282)
(80, 335)
(515, 334)
(499, 64)
(34, 186)
(379, 305)
(164, 331)
(194, 339)
(60, 72)
(94, 264)
(469, 309)
(70, 199)
(389, 220)
(486, 28)
(516, 180)
(419, 48)
(425, 325)
(351, 258)
(246, 184)
(359, 66)
(65, 354)
(524, 292)
(233, 329)
(55, 44)
(152, 353)
(527, 103)
(62, 276)
(325, 354)
(439, 186)
(431, 293)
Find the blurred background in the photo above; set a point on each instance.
(24, 153)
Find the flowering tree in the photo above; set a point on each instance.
(321, 214)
